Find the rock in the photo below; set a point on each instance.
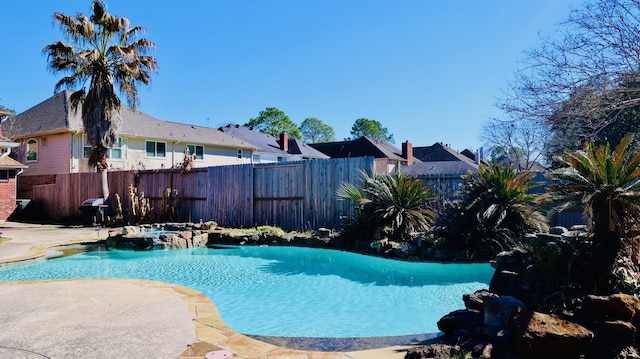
(558, 230)
(539, 335)
(498, 311)
(579, 228)
(548, 237)
(507, 259)
(617, 333)
(476, 300)
(433, 351)
(482, 350)
(186, 235)
(495, 334)
(614, 307)
(130, 230)
(200, 240)
(324, 232)
(467, 319)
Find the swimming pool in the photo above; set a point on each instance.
(287, 291)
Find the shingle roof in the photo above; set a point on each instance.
(55, 115)
(360, 147)
(270, 144)
(439, 152)
(298, 147)
(7, 162)
(440, 168)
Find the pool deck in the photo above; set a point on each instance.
(117, 318)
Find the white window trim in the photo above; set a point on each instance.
(195, 147)
(86, 144)
(27, 150)
(146, 155)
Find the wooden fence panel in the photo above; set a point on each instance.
(278, 192)
(292, 195)
(230, 195)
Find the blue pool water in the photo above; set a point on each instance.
(288, 291)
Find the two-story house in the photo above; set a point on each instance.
(52, 141)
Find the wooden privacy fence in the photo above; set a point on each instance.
(291, 195)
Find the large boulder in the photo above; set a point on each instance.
(498, 311)
(464, 319)
(476, 299)
(614, 307)
(539, 335)
(433, 351)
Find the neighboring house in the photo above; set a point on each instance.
(52, 141)
(387, 157)
(9, 171)
(271, 149)
(442, 168)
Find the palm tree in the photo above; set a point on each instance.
(395, 201)
(496, 209)
(607, 184)
(106, 52)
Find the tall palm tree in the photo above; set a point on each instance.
(607, 184)
(103, 52)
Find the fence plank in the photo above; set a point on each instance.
(291, 195)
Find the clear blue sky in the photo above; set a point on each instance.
(429, 71)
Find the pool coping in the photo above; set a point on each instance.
(211, 331)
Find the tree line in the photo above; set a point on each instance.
(273, 121)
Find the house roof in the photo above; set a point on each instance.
(440, 152)
(270, 144)
(360, 147)
(55, 115)
(5, 112)
(440, 168)
(7, 162)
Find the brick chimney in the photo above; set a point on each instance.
(284, 141)
(407, 152)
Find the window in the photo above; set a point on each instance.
(239, 153)
(115, 152)
(196, 150)
(156, 149)
(256, 158)
(4, 175)
(280, 159)
(32, 150)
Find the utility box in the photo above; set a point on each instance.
(93, 212)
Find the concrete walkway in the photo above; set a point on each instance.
(113, 318)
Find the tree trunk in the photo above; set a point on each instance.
(105, 186)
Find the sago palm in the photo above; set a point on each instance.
(104, 53)
(496, 208)
(607, 184)
(396, 201)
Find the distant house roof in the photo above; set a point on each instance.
(440, 168)
(360, 147)
(60, 117)
(270, 144)
(441, 152)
